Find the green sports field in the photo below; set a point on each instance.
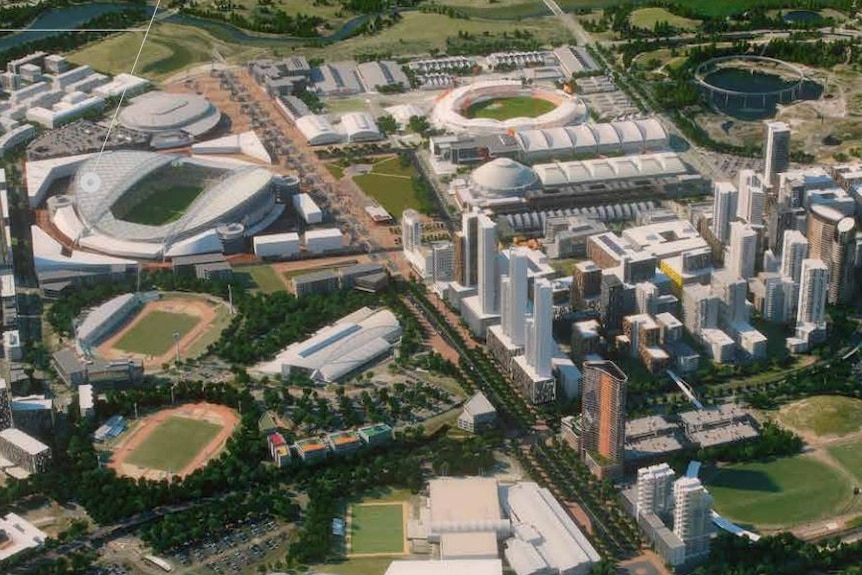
(849, 455)
(823, 415)
(377, 529)
(174, 444)
(154, 334)
(391, 184)
(778, 493)
(164, 206)
(505, 108)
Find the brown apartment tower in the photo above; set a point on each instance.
(603, 418)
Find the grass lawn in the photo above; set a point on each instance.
(782, 492)
(823, 415)
(505, 108)
(154, 334)
(355, 566)
(163, 207)
(849, 455)
(391, 184)
(377, 528)
(261, 277)
(648, 17)
(169, 48)
(173, 444)
(337, 172)
(393, 167)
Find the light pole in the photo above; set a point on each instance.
(177, 345)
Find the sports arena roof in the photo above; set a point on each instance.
(317, 130)
(342, 347)
(162, 112)
(447, 113)
(504, 176)
(97, 316)
(231, 193)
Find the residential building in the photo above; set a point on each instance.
(487, 264)
(724, 207)
(692, 517)
(700, 308)
(376, 434)
(752, 198)
(603, 417)
(655, 489)
(776, 156)
(411, 230)
(794, 250)
(742, 253)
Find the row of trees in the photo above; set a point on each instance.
(781, 554)
(217, 517)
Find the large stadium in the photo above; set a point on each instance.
(158, 112)
(465, 109)
(146, 205)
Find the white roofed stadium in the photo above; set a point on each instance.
(158, 112)
(449, 112)
(126, 203)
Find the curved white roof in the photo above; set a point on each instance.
(606, 135)
(607, 169)
(97, 316)
(447, 112)
(360, 126)
(339, 349)
(651, 130)
(317, 130)
(504, 175)
(629, 133)
(163, 112)
(118, 172)
(583, 139)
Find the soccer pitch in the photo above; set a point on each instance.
(783, 492)
(173, 444)
(377, 528)
(505, 108)
(154, 333)
(164, 206)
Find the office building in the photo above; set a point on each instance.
(813, 291)
(655, 489)
(692, 517)
(776, 155)
(487, 264)
(724, 207)
(467, 250)
(411, 230)
(442, 261)
(26, 452)
(478, 414)
(700, 309)
(794, 250)
(752, 198)
(742, 252)
(514, 302)
(541, 347)
(732, 292)
(603, 409)
(832, 239)
(586, 283)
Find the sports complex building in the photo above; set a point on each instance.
(338, 350)
(118, 204)
(157, 112)
(450, 111)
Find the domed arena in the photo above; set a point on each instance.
(454, 109)
(159, 112)
(146, 205)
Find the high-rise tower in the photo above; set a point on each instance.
(724, 204)
(603, 409)
(776, 153)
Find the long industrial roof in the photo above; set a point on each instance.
(606, 169)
